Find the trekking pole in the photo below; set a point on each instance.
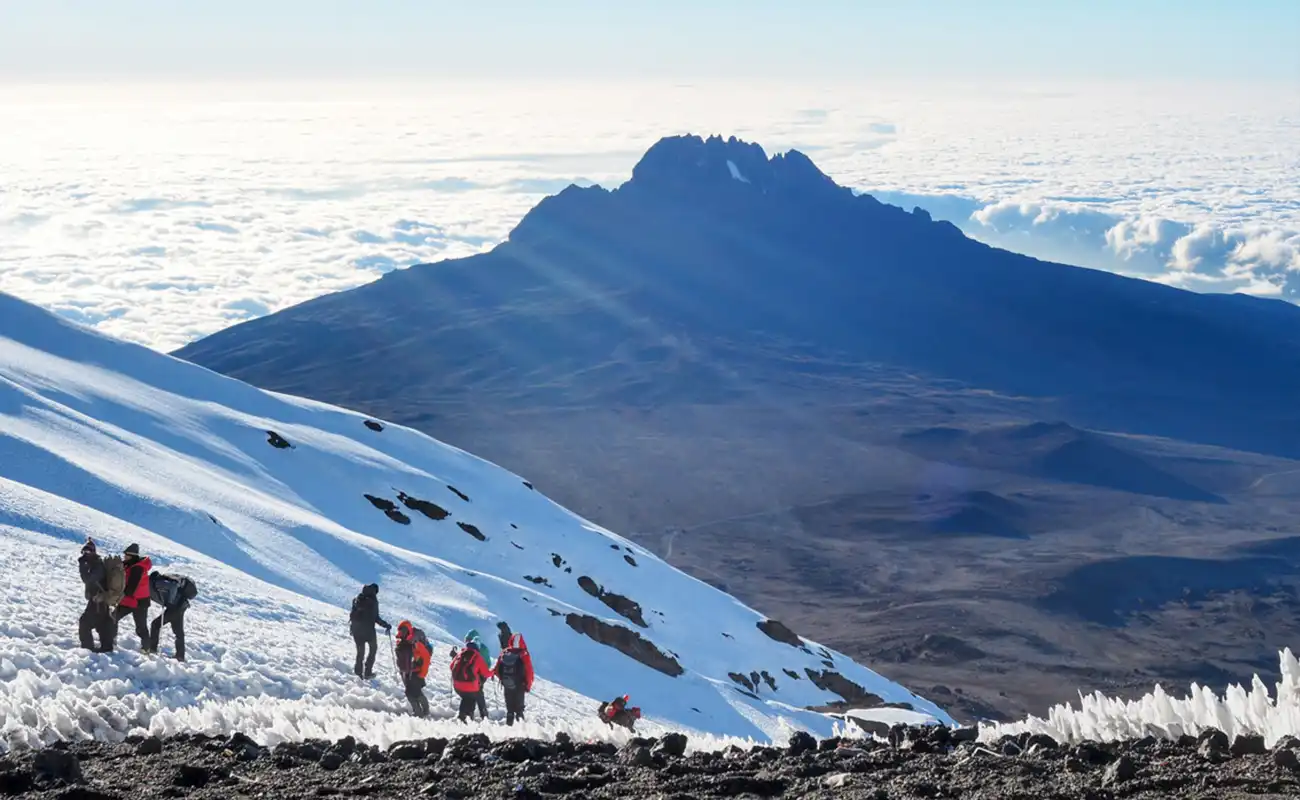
(392, 652)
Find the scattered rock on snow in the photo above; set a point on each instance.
(458, 493)
(472, 531)
(628, 642)
(276, 440)
(431, 510)
(630, 560)
(779, 632)
(374, 426)
(537, 580)
(624, 607)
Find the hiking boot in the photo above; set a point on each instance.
(369, 676)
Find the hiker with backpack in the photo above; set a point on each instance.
(514, 669)
(618, 712)
(413, 656)
(135, 594)
(173, 593)
(472, 639)
(504, 634)
(104, 580)
(363, 619)
(468, 673)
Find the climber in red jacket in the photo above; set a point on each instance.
(468, 673)
(135, 597)
(514, 669)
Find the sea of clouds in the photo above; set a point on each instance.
(164, 213)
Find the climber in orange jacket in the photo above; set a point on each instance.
(468, 673)
(413, 656)
(135, 597)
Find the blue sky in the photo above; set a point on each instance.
(1196, 40)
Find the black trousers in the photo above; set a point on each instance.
(415, 695)
(97, 618)
(141, 615)
(468, 702)
(364, 640)
(514, 704)
(482, 700)
(174, 617)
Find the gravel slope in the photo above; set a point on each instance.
(917, 763)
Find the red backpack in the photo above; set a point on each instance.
(462, 666)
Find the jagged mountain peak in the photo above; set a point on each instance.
(691, 161)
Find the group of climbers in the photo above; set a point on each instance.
(120, 586)
(471, 666)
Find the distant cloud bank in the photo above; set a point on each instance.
(164, 214)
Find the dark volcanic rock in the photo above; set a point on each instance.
(628, 642)
(800, 743)
(1248, 745)
(1213, 745)
(192, 776)
(431, 510)
(473, 767)
(374, 426)
(1287, 759)
(1121, 771)
(149, 747)
(276, 440)
(624, 607)
(58, 765)
(407, 751)
(458, 493)
(472, 530)
(778, 631)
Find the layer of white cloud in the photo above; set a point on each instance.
(165, 213)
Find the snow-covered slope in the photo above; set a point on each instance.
(106, 439)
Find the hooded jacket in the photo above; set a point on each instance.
(365, 611)
(517, 643)
(474, 640)
(412, 656)
(137, 581)
(93, 575)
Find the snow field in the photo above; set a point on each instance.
(110, 440)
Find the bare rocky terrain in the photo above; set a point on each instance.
(914, 764)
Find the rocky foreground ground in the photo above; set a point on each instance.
(915, 763)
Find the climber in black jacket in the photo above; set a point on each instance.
(365, 616)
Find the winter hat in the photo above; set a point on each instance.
(132, 550)
(89, 546)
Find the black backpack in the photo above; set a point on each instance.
(170, 591)
(510, 669)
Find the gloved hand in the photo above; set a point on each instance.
(388, 628)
